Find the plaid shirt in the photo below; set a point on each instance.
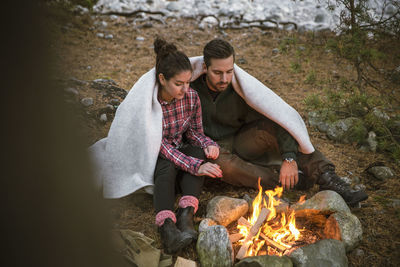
(183, 117)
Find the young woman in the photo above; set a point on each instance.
(184, 147)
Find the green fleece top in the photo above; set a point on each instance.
(225, 115)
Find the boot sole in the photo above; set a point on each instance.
(355, 202)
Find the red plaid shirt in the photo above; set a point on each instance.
(183, 117)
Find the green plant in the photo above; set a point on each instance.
(313, 101)
(310, 78)
(295, 67)
(286, 43)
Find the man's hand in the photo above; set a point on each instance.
(212, 152)
(209, 169)
(289, 174)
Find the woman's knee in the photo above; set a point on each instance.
(165, 168)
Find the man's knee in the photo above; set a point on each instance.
(194, 151)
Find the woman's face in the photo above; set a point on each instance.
(176, 86)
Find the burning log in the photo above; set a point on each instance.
(272, 243)
(253, 231)
(235, 237)
(243, 221)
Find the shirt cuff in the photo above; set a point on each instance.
(289, 155)
(209, 142)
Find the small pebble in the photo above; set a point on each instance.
(71, 90)
(88, 101)
(115, 102)
(103, 117)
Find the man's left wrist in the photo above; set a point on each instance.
(289, 157)
(289, 160)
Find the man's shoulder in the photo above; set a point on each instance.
(198, 83)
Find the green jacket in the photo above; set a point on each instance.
(224, 117)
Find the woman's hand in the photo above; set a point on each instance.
(212, 152)
(209, 169)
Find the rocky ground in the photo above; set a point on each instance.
(101, 57)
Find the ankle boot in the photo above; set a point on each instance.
(184, 222)
(331, 181)
(173, 240)
(304, 183)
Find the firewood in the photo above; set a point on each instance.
(273, 243)
(235, 237)
(253, 231)
(243, 221)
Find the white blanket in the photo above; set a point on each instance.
(126, 158)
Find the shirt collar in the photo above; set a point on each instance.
(163, 102)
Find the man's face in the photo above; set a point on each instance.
(219, 73)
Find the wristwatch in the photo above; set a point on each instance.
(289, 160)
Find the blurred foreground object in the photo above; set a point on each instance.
(52, 215)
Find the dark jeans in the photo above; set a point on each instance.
(254, 152)
(168, 180)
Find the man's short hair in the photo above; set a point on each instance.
(219, 49)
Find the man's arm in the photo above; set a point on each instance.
(288, 147)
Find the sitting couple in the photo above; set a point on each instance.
(237, 146)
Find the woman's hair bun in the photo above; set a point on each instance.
(161, 47)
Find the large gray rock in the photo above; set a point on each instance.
(381, 172)
(347, 130)
(380, 114)
(346, 226)
(206, 224)
(324, 201)
(214, 247)
(225, 210)
(316, 119)
(266, 260)
(173, 6)
(327, 252)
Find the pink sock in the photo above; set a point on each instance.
(189, 201)
(165, 214)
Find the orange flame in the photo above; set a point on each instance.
(281, 228)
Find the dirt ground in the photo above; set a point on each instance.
(80, 53)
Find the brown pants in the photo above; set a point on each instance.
(254, 152)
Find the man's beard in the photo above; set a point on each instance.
(216, 86)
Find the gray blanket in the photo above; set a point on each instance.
(125, 160)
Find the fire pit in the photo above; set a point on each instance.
(271, 229)
(313, 232)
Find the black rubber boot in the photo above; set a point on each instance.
(173, 240)
(184, 222)
(331, 181)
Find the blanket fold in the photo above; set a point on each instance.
(126, 158)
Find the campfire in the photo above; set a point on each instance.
(271, 228)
